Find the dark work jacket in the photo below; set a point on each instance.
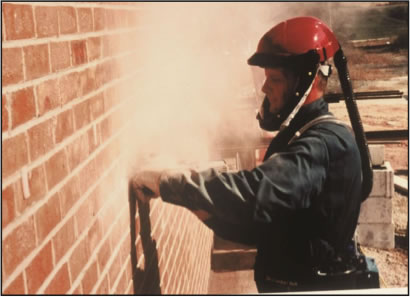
(299, 207)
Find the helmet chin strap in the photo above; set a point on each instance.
(302, 100)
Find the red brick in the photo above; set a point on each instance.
(69, 195)
(94, 48)
(60, 283)
(18, 21)
(111, 19)
(165, 282)
(82, 114)
(87, 80)
(90, 278)
(104, 254)
(111, 98)
(108, 46)
(107, 214)
(123, 18)
(8, 205)
(41, 139)
(70, 86)
(39, 269)
(65, 125)
(56, 168)
(112, 153)
(88, 176)
(16, 287)
(115, 68)
(23, 107)
(122, 284)
(125, 248)
(132, 18)
(17, 246)
(4, 114)
(68, 20)
(111, 70)
(97, 106)
(106, 129)
(114, 270)
(46, 21)
(60, 55)
(93, 140)
(14, 154)
(85, 19)
(37, 186)
(79, 52)
(64, 239)
(128, 270)
(118, 44)
(47, 96)
(108, 70)
(100, 75)
(83, 216)
(78, 151)
(79, 258)
(130, 290)
(104, 289)
(36, 181)
(78, 291)
(99, 19)
(36, 61)
(12, 66)
(96, 199)
(95, 235)
(47, 217)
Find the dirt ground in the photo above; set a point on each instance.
(387, 114)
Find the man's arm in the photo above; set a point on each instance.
(228, 202)
(246, 199)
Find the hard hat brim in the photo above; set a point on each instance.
(267, 60)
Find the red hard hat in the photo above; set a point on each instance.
(288, 43)
(297, 36)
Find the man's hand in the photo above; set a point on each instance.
(146, 184)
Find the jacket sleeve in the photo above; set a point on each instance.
(245, 199)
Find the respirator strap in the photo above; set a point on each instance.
(298, 106)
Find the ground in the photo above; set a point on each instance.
(373, 70)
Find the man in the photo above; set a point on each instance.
(301, 205)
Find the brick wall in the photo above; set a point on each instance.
(66, 126)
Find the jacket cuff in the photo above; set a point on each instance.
(172, 186)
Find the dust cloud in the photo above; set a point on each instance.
(193, 80)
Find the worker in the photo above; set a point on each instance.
(300, 207)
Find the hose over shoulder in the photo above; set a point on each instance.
(354, 116)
